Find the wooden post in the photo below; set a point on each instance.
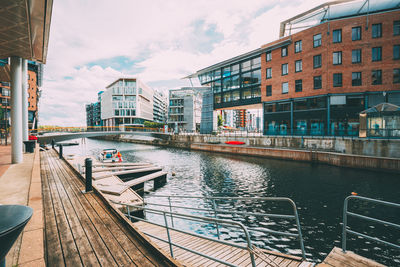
(160, 181)
(88, 175)
(61, 151)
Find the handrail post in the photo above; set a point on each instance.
(215, 216)
(249, 245)
(344, 224)
(303, 253)
(169, 237)
(170, 210)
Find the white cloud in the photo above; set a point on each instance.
(169, 40)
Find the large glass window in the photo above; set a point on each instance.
(246, 65)
(337, 36)
(377, 30)
(298, 46)
(130, 98)
(256, 76)
(269, 90)
(337, 80)
(256, 92)
(217, 74)
(235, 69)
(235, 95)
(396, 27)
(227, 97)
(226, 72)
(284, 51)
(356, 79)
(300, 104)
(217, 86)
(337, 58)
(376, 77)
(376, 53)
(235, 82)
(317, 82)
(356, 33)
(269, 73)
(217, 98)
(396, 52)
(246, 94)
(246, 79)
(268, 56)
(356, 56)
(117, 98)
(285, 88)
(317, 61)
(317, 40)
(298, 66)
(285, 69)
(396, 75)
(317, 102)
(226, 84)
(298, 85)
(256, 62)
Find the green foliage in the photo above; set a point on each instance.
(150, 124)
(220, 120)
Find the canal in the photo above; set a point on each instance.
(317, 190)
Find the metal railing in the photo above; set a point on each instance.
(367, 218)
(213, 218)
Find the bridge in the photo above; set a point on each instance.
(63, 136)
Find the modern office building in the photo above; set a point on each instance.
(329, 64)
(184, 111)
(34, 82)
(160, 107)
(127, 102)
(207, 122)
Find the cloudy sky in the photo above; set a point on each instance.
(93, 42)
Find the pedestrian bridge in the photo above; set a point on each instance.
(63, 136)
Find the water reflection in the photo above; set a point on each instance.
(318, 191)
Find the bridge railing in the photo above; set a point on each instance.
(96, 129)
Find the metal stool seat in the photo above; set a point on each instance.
(13, 219)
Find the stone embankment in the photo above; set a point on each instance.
(373, 154)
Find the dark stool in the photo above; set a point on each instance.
(13, 219)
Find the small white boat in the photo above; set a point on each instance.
(110, 155)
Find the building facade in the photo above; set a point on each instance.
(127, 102)
(184, 111)
(34, 82)
(160, 107)
(329, 64)
(318, 80)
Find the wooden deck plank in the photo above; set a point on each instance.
(52, 238)
(83, 244)
(99, 248)
(338, 258)
(70, 251)
(121, 247)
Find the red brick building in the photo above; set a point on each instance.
(319, 79)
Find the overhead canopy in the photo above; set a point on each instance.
(24, 29)
(381, 108)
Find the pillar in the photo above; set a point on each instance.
(16, 110)
(291, 118)
(328, 115)
(25, 103)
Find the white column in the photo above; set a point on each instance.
(16, 110)
(25, 87)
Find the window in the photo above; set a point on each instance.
(356, 56)
(284, 51)
(337, 80)
(356, 33)
(269, 90)
(317, 82)
(298, 66)
(396, 75)
(317, 40)
(376, 53)
(356, 79)
(377, 30)
(285, 69)
(298, 85)
(396, 52)
(337, 58)
(285, 88)
(298, 47)
(337, 36)
(376, 77)
(317, 61)
(269, 73)
(268, 56)
(396, 27)
(246, 65)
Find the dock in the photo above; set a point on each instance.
(83, 229)
(338, 258)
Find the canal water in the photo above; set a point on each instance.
(317, 190)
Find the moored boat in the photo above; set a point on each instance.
(110, 155)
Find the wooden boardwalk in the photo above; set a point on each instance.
(233, 255)
(337, 258)
(82, 229)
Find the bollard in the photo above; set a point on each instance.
(61, 151)
(88, 175)
(53, 143)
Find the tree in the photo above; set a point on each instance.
(220, 120)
